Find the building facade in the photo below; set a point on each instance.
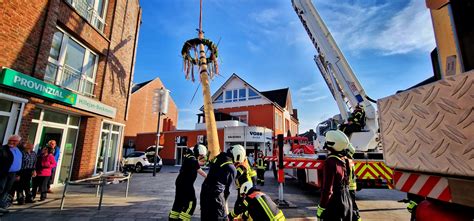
(142, 120)
(66, 75)
(244, 115)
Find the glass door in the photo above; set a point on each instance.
(67, 150)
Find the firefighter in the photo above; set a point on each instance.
(185, 197)
(260, 169)
(335, 203)
(216, 187)
(245, 173)
(355, 122)
(353, 183)
(256, 204)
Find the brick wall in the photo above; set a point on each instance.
(26, 31)
(169, 146)
(141, 119)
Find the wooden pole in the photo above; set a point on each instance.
(211, 127)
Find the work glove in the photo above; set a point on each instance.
(411, 206)
(320, 212)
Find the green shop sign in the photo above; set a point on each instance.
(24, 82)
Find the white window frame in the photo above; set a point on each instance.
(101, 17)
(62, 57)
(253, 97)
(109, 137)
(240, 114)
(14, 115)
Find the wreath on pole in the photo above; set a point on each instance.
(191, 61)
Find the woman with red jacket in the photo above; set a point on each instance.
(44, 165)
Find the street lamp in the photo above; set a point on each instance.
(159, 106)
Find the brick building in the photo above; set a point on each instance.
(142, 120)
(66, 75)
(244, 115)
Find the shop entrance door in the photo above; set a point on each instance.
(179, 155)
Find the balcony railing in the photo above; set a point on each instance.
(70, 78)
(88, 12)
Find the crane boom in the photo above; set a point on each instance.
(341, 80)
(332, 58)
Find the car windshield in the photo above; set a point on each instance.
(134, 154)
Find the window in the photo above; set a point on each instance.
(242, 116)
(278, 121)
(219, 99)
(91, 10)
(71, 65)
(235, 96)
(242, 94)
(228, 96)
(107, 159)
(253, 94)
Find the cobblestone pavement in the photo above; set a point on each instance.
(150, 198)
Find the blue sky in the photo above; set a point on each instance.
(386, 42)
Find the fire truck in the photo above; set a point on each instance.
(370, 169)
(428, 130)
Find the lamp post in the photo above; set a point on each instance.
(160, 106)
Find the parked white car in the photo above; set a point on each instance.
(139, 161)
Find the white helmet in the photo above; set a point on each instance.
(244, 189)
(350, 150)
(337, 140)
(238, 153)
(200, 149)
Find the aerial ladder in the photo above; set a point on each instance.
(347, 91)
(341, 80)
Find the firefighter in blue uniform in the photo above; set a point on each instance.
(185, 197)
(216, 187)
(256, 205)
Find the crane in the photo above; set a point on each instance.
(341, 80)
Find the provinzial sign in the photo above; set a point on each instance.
(88, 104)
(24, 82)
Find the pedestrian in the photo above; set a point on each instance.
(23, 187)
(185, 196)
(335, 203)
(56, 154)
(261, 167)
(352, 182)
(44, 166)
(216, 187)
(10, 164)
(256, 205)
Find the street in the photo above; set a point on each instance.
(151, 198)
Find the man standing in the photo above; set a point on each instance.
(23, 189)
(56, 154)
(335, 203)
(10, 163)
(216, 187)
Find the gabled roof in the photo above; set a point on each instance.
(279, 96)
(136, 87)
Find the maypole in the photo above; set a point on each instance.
(207, 68)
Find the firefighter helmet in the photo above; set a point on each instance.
(238, 153)
(336, 140)
(244, 189)
(350, 150)
(200, 150)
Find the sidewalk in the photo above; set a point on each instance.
(151, 198)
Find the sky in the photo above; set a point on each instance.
(386, 42)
